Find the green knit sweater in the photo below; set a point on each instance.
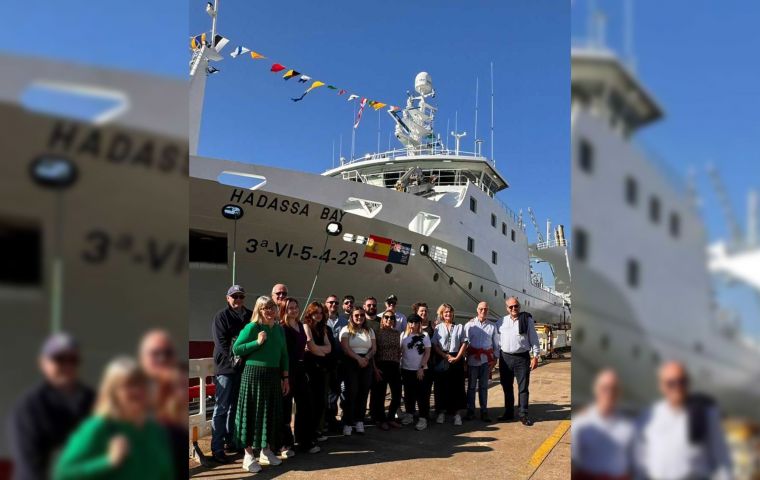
(272, 353)
(85, 455)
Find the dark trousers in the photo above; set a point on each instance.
(317, 395)
(305, 435)
(390, 377)
(426, 388)
(511, 367)
(358, 381)
(450, 396)
(223, 418)
(414, 394)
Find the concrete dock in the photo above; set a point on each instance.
(474, 450)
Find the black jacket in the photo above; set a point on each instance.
(224, 329)
(40, 424)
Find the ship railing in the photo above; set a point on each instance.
(432, 149)
(551, 244)
(511, 213)
(201, 369)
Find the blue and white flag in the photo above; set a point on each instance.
(239, 51)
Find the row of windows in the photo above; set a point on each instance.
(471, 249)
(632, 198)
(580, 249)
(494, 221)
(631, 189)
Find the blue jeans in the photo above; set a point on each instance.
(477, 374)
(223, 419)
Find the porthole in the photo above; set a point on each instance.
(435, 277)
(481, 289)
(495, 293)
(505, 295)
(388, 268)
(451, 280)
(469, 285)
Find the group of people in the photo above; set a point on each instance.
(336, 355)
(135, 426)
(679, 436)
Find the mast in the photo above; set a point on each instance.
(493, 160)
(477, 80)
(198, 66)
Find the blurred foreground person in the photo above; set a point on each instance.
(226, 326)
(680, 436)
(158, 359)
(120, 440)
(264, 382)
(601, 437)
(46, 415)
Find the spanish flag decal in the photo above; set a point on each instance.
(378, 248)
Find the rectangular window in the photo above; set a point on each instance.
(470, 244)
(586, 156)
(208, 247)
(493, 220)
(473, 205)
(513, 235)
(504, 229)
(632, 273)
(20, 253)
(580, 244)
(494, 257)
(675, 225)
(631, 191)
(654, 209)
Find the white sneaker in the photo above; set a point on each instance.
(407, 419)
(287, 453)
(315, 449)
(347, 430)
(359, 427)
(441, 418)
(421, 424)
(268, 458)
(250, 464)
(457, 419)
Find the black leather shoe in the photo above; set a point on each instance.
(506, 417)
(484, 417)
(469, 416)
(526, 421)
(230, 450)
(220, 457)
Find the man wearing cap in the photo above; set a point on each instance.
(226, 326)
(390, 304)
(44, 416)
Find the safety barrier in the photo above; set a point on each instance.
(200, 368)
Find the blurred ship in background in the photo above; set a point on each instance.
(644, 279)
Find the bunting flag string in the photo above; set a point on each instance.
(219, 43)
(359, 114)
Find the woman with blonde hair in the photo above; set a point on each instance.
(415, 351)
(450, 343)
(264, 381)
(120, 440)
(358, 342)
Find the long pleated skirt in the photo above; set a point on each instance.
(258, 419)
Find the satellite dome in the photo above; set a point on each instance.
(423, 83)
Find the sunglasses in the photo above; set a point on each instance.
(66, 359)
(237, 297)
(513, 307)
(371, 305)
(280, 294)
(389, 317)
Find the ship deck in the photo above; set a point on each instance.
(474, 450)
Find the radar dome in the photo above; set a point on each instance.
(423, 83)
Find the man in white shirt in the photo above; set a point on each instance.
(483, 342)
(518, 340)
(680, 436)
(602, 438)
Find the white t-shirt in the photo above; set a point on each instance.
(413, 349)
(360, 343)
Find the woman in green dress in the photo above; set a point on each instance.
(259, 416)
(120, 440)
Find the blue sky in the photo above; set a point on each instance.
(375, 49)
(700, 61)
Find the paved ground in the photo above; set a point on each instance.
(474, 450)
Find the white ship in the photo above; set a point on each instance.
(642, 287)
(420, 221)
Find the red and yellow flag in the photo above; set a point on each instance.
(378, 247)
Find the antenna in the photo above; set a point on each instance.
(353, 133)
(333, 155)
(447, 137)
(457, 137)
(725, 203)
(628, 32)
(378, 131)
(477, 81)
(340, 150)
(493, 159)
